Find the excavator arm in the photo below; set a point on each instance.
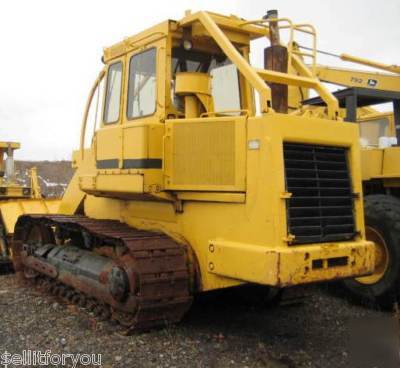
(358, 78)
(364, 88)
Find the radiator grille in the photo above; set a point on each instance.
(321, 208)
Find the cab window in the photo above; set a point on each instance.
(142, 84)
(225, 77)
(371, 130)
(225, 87)
(113, 93)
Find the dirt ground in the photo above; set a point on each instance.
(219, 331)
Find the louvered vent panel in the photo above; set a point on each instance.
(321, 208)
(204, 154)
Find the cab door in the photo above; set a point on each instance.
(130, 140)
(143, 126)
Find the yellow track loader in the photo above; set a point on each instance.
(188, 187)
(15, 200)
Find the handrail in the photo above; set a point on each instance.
(306, 78)
(307, 81)
(87, 107)
(289, 79)
(304, 28)
(330, 100)
(233, 54)
(290, 26)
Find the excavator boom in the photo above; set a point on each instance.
(358, 78)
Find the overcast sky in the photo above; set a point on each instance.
(51, 52)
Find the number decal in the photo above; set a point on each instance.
(356, 80)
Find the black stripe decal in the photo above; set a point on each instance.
(107, 164)
(143, 163)
(137, 163)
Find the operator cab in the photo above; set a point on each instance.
(177, 97)
(170, 73)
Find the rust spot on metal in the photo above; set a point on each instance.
(40, 266)
(106, 251)
(103, 277)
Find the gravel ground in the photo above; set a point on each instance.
(219, 331)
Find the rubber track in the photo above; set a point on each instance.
(160, 263)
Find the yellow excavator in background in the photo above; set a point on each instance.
(15, 200)
(380, 157)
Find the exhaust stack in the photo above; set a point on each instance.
(276, 58)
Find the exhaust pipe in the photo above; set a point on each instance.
(276, 58)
